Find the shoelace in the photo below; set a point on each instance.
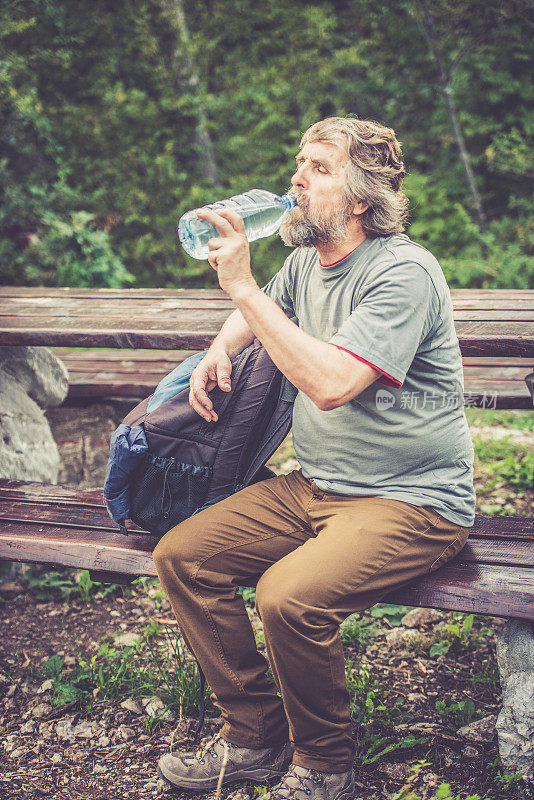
(209, 748)
(289, 792)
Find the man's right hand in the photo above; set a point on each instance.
(214, 369)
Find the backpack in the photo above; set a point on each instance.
(167, 463)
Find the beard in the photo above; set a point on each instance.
(310, 229)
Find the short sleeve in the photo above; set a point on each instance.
(280, 289)
(391, 320)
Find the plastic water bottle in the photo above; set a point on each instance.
(262, 213)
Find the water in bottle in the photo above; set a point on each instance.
(262, 213)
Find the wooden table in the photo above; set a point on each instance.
(489, 322)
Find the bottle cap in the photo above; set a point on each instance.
(289, 200)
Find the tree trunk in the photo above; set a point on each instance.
(207, 164)
(446, 91)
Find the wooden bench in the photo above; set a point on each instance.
(54, 525)
(58, 526)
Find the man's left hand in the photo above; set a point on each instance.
(229, 254)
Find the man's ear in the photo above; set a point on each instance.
(358, 208)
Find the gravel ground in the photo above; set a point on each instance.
(109, 750)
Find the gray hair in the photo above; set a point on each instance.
(375, 171)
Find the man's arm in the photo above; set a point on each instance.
(329, 376)
(216, 366)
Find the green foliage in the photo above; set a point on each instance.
(65, 583)
(458, 713)
(393, 613)
(108, 117)
(517, 470)
(158, 665)
(356, 631)
(75, 253)
(443, 791)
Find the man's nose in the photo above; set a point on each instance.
(299, 177)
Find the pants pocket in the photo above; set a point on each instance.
(450, 551)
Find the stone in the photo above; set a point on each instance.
(28, 727)
(64, 730)
(27, 449)
(125, 733)
(83, 730)
(55, 758)
(482, 730)
(41, 710)
(132, 705)
(469, 751)
(47, 686)
(31, 378)
(38, 372)
(515, 723)
(104, 741)
(397, 638)
(126, 639)
(154, 707)
(421, 616)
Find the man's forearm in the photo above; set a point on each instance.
(234, 335)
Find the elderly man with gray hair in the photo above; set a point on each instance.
(384, 492)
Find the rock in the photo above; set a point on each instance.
(55, 758)
(132, 705)
(64, 730)
(482, 730)
(126, 639)
(415, 697)
(28, 727)
(100, 769)
(421, 616)
(47, 686)
(42, 710)
(30, 377)
(397, 771)
(17, 753)
(104, 741)
(11, 690)
(27, 450)
(83, 730)
(154, 707)
(41, 375)
(515, 723)
(125, 733)
(397, 638)
(469, 751)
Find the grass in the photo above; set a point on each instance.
(518, 419)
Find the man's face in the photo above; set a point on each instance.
(322, 214)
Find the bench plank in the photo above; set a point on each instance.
(500, 322)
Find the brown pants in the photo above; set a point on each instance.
(315, 557)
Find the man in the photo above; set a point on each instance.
(385, 490)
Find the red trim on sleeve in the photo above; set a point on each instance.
(386, 380)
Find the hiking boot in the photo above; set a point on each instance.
(201, 770)
(301, 783)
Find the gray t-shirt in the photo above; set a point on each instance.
(406, 436)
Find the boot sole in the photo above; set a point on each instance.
(257, 775)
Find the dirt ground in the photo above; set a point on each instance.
(112, 753)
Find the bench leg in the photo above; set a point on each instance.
(515, 723)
